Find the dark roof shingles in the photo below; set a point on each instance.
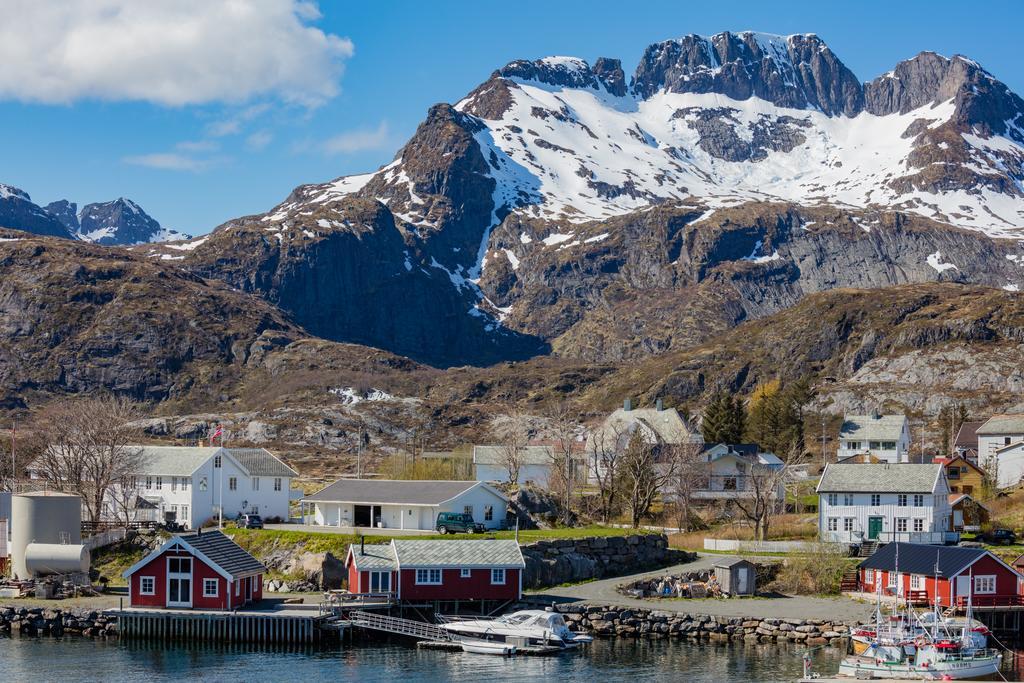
(227, 554)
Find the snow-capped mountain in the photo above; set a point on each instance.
(118, 222)
(738, 172)
(18, 211)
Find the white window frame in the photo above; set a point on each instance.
(902, 524)
(916, 582)
(876, 499)
(848, 523)
(429, 576)
(847, 499)
(232, 483)
(891, 580)
(985, 584)
(465, 573)
(380, 576)
(833, 499)
(833, 524)
(142, 585)
(159, 483)
(901, 500)
(255, 483)
(207, 583)
(277, 483)
(498, 576)
(918, 524)
(149, 483)
(869, 576)
(919, 500)
(488, 513)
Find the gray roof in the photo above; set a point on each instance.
(1003, 424)
(731, 562)
(666, 426)
(392, 491)
(879, 478)
(967, 435)
(227, 554)
(916, 558)
(481, 553)
(259, 462)
(373, 556)
(871, 428)
(173, 460)
(530, 455)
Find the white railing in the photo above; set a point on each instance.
(923, 537)
(403, 627)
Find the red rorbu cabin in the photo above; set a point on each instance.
(948, 574)
(438, 570)
(198, 571)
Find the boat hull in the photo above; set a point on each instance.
(964, 670)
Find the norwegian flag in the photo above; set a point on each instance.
(219, 431)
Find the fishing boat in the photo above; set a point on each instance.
(522, 628)
(923, 661)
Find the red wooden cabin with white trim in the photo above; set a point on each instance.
(949, 574)
(198, 571)
(438, 570)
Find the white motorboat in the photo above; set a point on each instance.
(926, 661)
(484, 647)
(523, 628)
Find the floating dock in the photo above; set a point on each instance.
(296, 624)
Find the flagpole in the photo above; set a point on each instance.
(14, 469)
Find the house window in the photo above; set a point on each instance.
(159, 483)
(133, 483)
(954, 473)
(853, 445)
(210, 588)
(147, 585)
(232, 483)
(465, 573)
(174, 484)
(255, 483)
(985, 584)
(202, 484)
(869, 576)
(848, 524)
(847, 499)
(498, 576)
(216, 461)
(891, 583)
(277, 483)
(238, 587)
(916, 582)
(184, 514)
(488, 513)
(876, 499)
(833, 499)
(184, 483)
(833, 523)
(149, 483)
(1006, 441)
(428, 577)
(901, 500)
(467, 509)
(968, 490)
(875, 445)
(918, 500)
(380, 582)
(918, 524)
(901, 524)
(888, 445)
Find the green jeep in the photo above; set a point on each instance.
(458, 522)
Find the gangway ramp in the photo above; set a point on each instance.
(399, 626)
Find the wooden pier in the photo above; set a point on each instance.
(270, 626)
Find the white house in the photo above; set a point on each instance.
(1001, 448)
(403, 504)
(886, 437)
(535, 463)
(883, 502)
(194, 482)
(730, 471)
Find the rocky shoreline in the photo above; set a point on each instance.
(617, 622)
(43, 621)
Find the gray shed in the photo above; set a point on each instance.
(736, 576)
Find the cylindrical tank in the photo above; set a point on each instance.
(44, 559)
(43, 517)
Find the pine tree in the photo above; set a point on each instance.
(723, 419)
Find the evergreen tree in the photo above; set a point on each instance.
(723, 419)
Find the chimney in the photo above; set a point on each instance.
(660, 405)
(362, 545)
(627, 405)
(199, 531)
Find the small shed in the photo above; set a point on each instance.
(736, 576)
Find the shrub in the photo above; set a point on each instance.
(816, 572)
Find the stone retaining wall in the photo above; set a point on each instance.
(571, 560)
(612, 622)
(40, 621)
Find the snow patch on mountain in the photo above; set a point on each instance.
(935, 261)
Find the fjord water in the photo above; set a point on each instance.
(38, 661)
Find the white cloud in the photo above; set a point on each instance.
(198, 146)
(170, 53)
(168, 161)
(232, 125)
(258, 140)
(358, 140)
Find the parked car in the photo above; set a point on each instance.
(458, 522)
(999, 537)
(250, 522)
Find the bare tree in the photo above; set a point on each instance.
(88, 447)
(604, 461)
(512, 434)
(562, 479)
(690, 474)
(763, 494)
(643, 475)
(124, 498)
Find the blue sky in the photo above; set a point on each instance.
(118, 104)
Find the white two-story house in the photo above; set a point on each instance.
(195, 482)
(884, 437)
(883, 502)
(1001, 448)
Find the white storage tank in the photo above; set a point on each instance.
(46, 518)
(44, 559)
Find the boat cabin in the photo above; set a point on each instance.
(950, 575)
(438, 570)
(205, 570)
